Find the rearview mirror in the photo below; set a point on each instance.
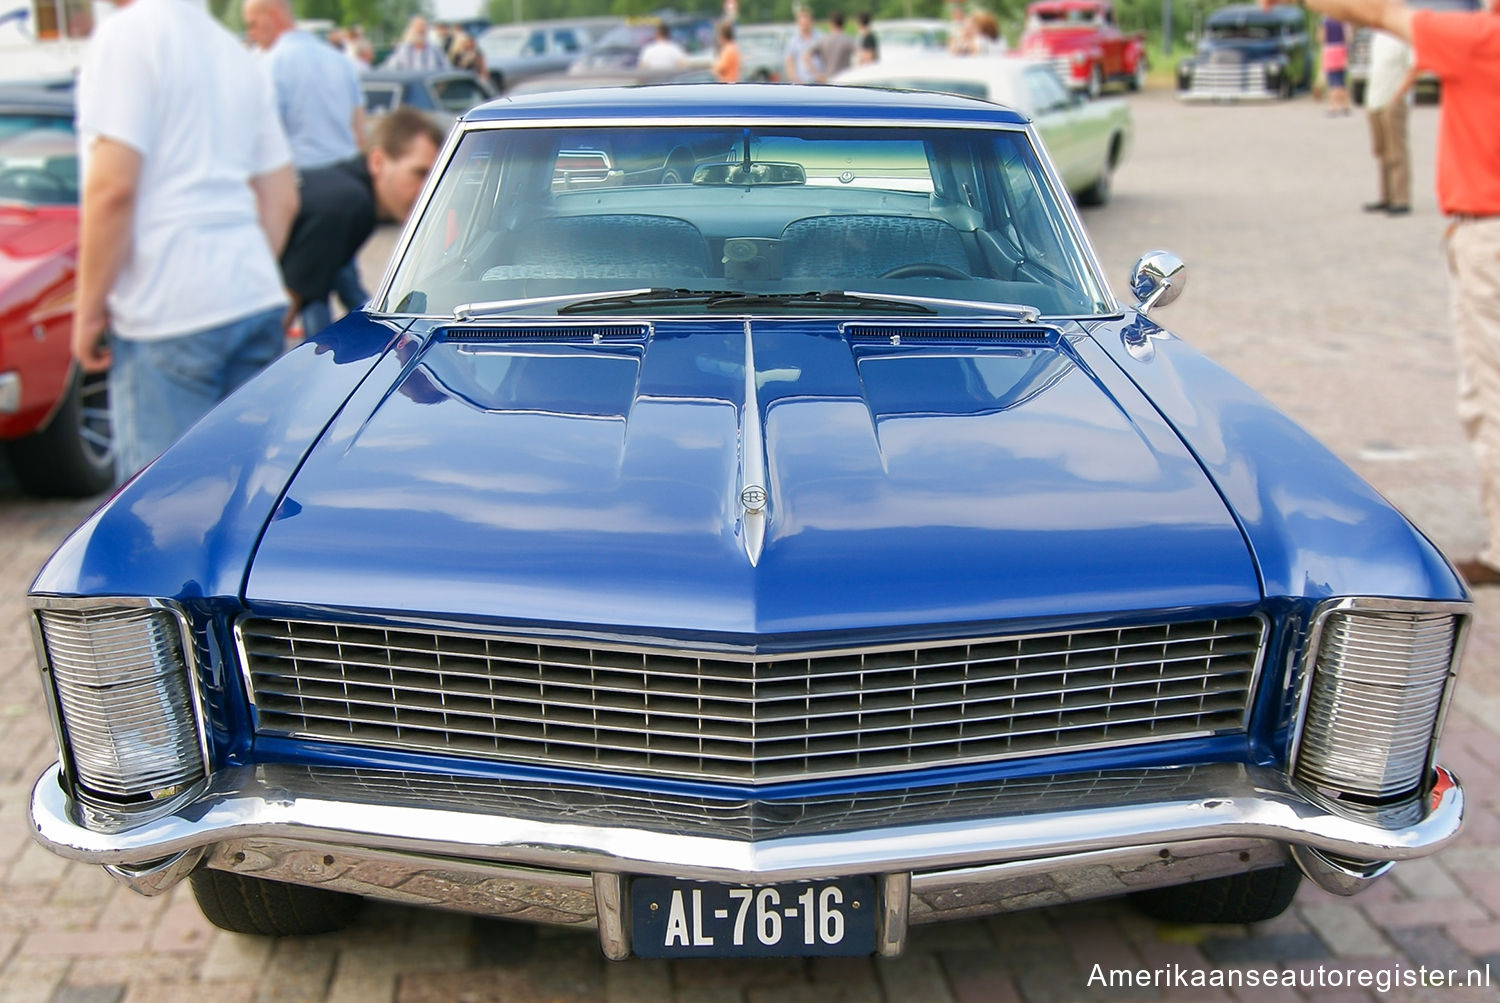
(763, 172)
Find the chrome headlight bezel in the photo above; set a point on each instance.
(1461, 614)
(67, 756)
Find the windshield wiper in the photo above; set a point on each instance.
(468, 311)
(720, 299)
(1024, 312)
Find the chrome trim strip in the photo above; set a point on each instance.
(465, 312)
(1102, 291)
(189, 655)
(753, 485)
(1462, 612)
(277, 802)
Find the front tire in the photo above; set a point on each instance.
(265, 908)
(74, 456)
(1240, 898)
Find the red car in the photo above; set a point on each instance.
(54, 421)
(1082, 41)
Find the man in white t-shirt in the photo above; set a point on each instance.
(1391, 77)
(661, 54)
(188, 195)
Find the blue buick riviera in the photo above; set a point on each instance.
(746, 522)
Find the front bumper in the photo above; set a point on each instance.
(555, 854)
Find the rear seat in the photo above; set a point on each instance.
(863, 247)
(612, 246)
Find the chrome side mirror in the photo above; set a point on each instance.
(1157, 279)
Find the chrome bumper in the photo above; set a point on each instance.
(560, 855)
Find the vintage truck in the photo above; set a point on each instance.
(1084, 43)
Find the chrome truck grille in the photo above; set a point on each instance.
(1230, 80)
(746, 717)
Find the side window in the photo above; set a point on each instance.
(536, 44)
(1047, 92)
(458, 94)
(564, 40)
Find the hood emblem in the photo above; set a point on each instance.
(753, 498)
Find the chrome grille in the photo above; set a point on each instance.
(1230, 80)
(738, 716)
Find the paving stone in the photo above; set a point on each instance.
(917, 977)
(1431, 947)
(1279, 946)
(638, 980)
(237, 956)
(1426, 879)
(1346, 931)
(89, 994)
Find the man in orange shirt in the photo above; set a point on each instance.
(1463, 49)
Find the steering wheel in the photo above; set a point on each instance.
(21, 179)
(925, 269)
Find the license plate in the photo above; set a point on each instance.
(675, 918)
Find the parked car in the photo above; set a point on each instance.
(1246, 53)
(516, 52)
(1084, 44)
(763, 50)
(1427, 88)
(54, 420)
(1085, 140)
(443, 95)
(743, 566)
(620, 47)
(618, 78)
(904, 37)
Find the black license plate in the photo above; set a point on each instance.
(674, 918)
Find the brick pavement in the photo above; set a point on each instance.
(1337, 316)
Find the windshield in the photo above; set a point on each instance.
(1067, 17)
(505, 42)
(38, 165)
(1255, 31)
(961, 215)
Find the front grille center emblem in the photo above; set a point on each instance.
(753, 498)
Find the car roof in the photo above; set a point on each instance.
(785, 102)
(1046, 5)
(43, 97)
(1249, 13)
(407, 76)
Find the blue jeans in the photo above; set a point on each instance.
(158, 389)
(346, 286)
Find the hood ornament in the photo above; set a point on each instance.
(753, 496)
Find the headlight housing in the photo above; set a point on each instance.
(120, 681)
(1376, 678)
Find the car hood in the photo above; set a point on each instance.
(602, 481)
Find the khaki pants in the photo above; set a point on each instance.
(1474, 267)
(1388, 140)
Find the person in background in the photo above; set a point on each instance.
(322, 110)
(802, 59)
(357, 48)
(317, 90)
(727, 61)
(1463, 49)
(414, 52)
(1392, 75)
(662, 54)
(836, 51)
(342, 203)
(1332, 35)
(440, 38)
(181, 219)
(466, 55)
(866, 42)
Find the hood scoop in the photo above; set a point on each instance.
(952, 334)
(584, 332)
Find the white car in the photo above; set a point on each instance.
(1087, 139)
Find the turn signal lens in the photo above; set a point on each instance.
(124, 700)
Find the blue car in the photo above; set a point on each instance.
(746, 522)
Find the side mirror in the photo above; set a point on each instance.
(1157, 279)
